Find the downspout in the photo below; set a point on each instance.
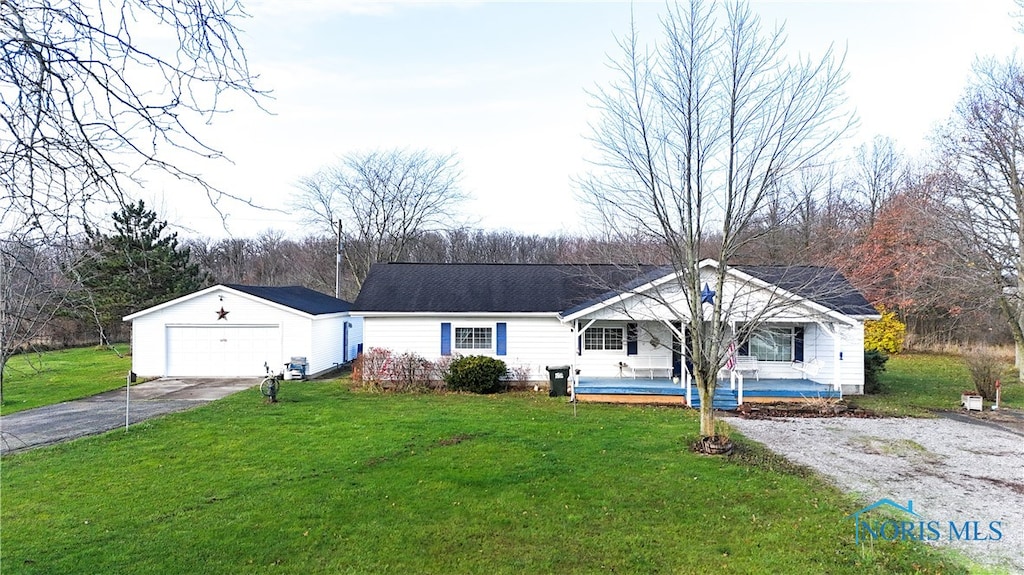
(344, 342)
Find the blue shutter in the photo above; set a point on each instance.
(631, 343)
(798, 344)
(446, 338)
(501, 329)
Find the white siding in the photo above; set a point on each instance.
(537, 343)
(326, 343)
(531, 342)
(741, 302)
(355, 337)
(605, 363)
(148, 346)
(851, 371)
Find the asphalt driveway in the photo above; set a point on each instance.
(73, 419)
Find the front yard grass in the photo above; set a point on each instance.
(332, 481)
(917, 384)
(37, 379)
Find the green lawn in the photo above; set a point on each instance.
(32, 380)
(332, 481)
(918, 384)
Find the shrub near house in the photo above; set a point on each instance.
(380, 368)
(476, 374)
(886, 334)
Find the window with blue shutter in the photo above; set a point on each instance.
(631, 337)
(501, 328)
(446, 338)
(798, 343)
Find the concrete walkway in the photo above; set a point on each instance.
(51, 424)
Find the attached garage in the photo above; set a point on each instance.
(234, 330)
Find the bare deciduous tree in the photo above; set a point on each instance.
(984, 153)
(33, 288)
(879, 172)
(694, 133)
(385, 200)
(96, 94)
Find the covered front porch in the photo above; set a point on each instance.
(728, 395)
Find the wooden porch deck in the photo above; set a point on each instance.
(662, 391)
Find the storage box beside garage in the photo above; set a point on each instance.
(232, 330)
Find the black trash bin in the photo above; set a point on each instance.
(558, 377)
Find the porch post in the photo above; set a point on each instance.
(834, 332)
(573, 377)
(836, 382)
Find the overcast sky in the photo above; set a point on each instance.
(503, 85)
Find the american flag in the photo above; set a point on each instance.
(730, 359)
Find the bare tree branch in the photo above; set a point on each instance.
(695, 134)
(386, 200)
(983, 151)
(95, 94)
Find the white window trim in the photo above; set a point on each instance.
(777, 328)
(603, 328)
(489, 327)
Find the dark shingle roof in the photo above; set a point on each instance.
(822, 285)
(469, 288)
(416, 287)
(296, 297)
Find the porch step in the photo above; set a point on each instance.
(724, 399)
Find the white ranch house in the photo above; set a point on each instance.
(623, 344)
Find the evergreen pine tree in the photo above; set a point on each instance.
(136, 267)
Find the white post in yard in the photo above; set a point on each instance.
(127, 397)
(739, 392)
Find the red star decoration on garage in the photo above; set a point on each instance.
(221, 314)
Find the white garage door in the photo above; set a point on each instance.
(222, 351)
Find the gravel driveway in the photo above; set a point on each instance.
(952, 470)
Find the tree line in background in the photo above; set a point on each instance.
(889, 247)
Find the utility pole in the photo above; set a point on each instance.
(337, 267)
